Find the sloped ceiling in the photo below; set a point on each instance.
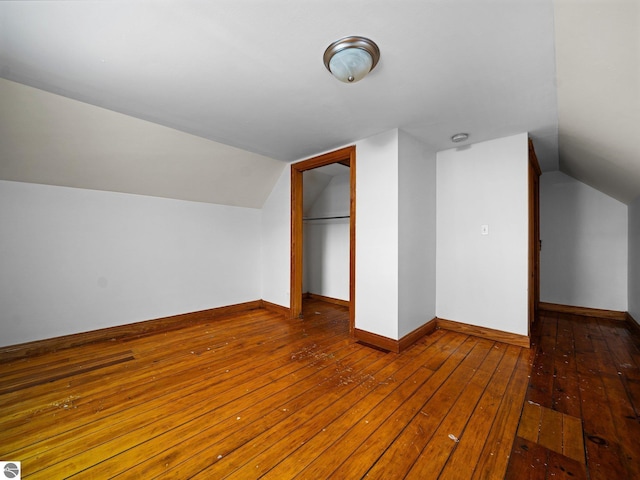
(316, 180)
(250, 75)
(598, 58)
(50, 139)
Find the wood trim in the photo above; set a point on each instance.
(345, 156)
(295, 299)
(533, 158)
(375, 340)
(275, 308)
(484, 332)
(405, 342)
(352, 240)
(131, 330)
(322, 298)
(583, 311)
(341, 155)
(534, 235)
(396, 346)
(632, 324)
(412, 337)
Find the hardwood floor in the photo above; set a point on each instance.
(581, 415)
(257, 395)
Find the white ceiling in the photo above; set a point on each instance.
(598, 63)
(54, 140)
(316, 180)
(249, 74)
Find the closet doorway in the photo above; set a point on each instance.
(346, 157)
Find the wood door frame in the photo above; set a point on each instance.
(534, 235)
(345, 156)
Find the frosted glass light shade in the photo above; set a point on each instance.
(350, 65)
(351, 58)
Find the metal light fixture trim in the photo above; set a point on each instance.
(351, 58)
(459, 137)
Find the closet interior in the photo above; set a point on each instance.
(326, 207)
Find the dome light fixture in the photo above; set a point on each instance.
(350, 59)
(459, 137)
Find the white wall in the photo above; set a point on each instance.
(482, 279)
(326, 267)
(584, 235)
(74, 260)
(634, 259)
(275, 230)
(416, 234)
(376, 306)
(377, 234)
(326, 242)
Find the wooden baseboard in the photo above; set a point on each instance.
(392, 345)
(131, 330)
(405, 342)
(484, 332)
(412, 337)
(632, 324)
(275, 308)
(375, 340)
(583, 311)
(322, 298)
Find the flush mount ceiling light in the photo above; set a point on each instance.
(351, 58)
(459, 137)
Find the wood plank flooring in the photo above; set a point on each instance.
(255, 395)
(581, 415)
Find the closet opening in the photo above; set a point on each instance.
(323, 230)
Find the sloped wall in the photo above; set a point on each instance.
(53, 140)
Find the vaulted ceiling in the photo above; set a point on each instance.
(248, 77)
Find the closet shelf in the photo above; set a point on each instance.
(326, 218)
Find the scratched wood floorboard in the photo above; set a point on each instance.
(259, 395)
(584, 378)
